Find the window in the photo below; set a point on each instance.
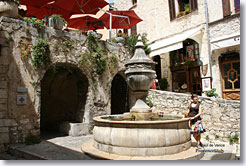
(226, 8)
(237, 5)
(134, 30)
(185, 55)
(185, 7)
(134, 2)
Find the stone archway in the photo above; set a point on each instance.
(119, 95)
(63, 98)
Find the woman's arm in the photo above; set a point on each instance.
(188, 111)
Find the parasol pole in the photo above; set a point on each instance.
(110, 27)
(110, 21)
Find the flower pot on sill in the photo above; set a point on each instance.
(8, 9)
(56, 24)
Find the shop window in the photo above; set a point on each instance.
(237, 5)
(186, 55)
(184, 6)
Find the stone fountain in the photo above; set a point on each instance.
(141, 134)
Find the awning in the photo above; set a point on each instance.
(173, 43)
(226, 41)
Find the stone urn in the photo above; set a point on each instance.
(8, 9)
(55, 23)
(140, 76)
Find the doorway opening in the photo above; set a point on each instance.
(63, 98)
(119, 95)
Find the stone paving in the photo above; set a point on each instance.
(69, 148)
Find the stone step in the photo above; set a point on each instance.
(16, 150)
(6, 156)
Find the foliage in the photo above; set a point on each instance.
(211, 93)
(163, 83)
(25, 51)
(58, 17)
(41, 53)
(16, 1)
(36, 22)
(234, 139)
(207, 138)
(187, 7)
(27, 29)
(69, 43)
(149, 102)
(97, 54)
(131, 42)
(32, 139)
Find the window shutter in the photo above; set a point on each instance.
(193, 5)
(237, 5)
(226, 8)
(172, 9)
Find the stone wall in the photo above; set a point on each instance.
(17, 121)
(221, 117)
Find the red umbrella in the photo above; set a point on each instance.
(35, 3)
(85, 23)
(47, 10)
(128, 20)
(81, 6)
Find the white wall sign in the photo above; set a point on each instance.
(21, 99)
(21, 89)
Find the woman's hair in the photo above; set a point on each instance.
(193, 96)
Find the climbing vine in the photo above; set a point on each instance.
(41, 53)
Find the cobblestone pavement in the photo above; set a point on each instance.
(69, 148)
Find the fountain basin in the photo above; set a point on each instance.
(167, 136)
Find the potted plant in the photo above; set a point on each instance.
(56, 21)
(9, 8)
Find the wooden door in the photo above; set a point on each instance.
(231, 79)
(195, 82)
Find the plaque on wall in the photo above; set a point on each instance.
(21, 89)
(21, 99)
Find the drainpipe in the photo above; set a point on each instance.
(209, 46)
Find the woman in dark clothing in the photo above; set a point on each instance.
(194, 112)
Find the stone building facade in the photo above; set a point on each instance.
(183, 38)
(65, 95)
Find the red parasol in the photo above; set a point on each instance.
(128, 20)
(81, 6)
(47, 10)
(35, 3)
(85, 23)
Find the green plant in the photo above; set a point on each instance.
(207, 138)
(113, 59)
(236, 138)
(149, 102)
(9, 39)
(41, 53)
(69, 43)
(216, 136)
(131, 42)
(27, 29)
(36, 22)
(58, 17)
(187, 7)
(212, 93)
(15, 1)
(32, 139)
(97, 54)
(163, 83)
(189, 62)
(25, 51)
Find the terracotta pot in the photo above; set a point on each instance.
(8, 9)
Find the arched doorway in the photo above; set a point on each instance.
(63, 98)
(119, 95)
